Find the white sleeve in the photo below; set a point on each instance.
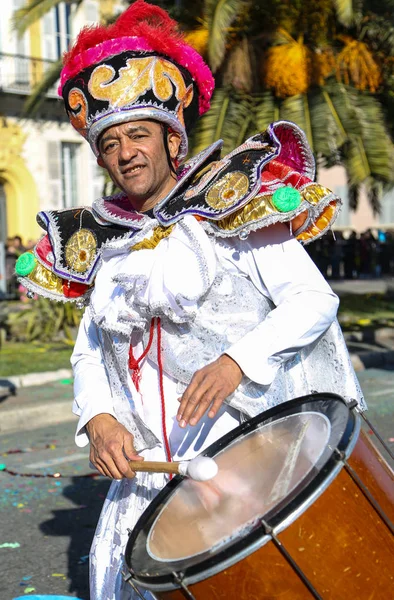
(92, 393)
(305, 305)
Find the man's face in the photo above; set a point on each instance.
(134, 155)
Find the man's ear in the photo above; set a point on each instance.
(174, 141)
(100, 162)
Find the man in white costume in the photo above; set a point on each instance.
(203, 307)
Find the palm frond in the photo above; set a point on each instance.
(353, 193)
(33, 11)
(220, 17)
(37, 96)
(378, 147)
(228, 119)
(356, 161)
(238, 71)
(265, 111)
(378, 32)
(329, 132)
(342, 98)
(369, 156)
(345, 11)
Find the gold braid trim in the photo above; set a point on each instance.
(261, 207)
(159, 233)
(44, 278)
(256, 209)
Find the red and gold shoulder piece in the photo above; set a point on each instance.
(309, 212)
(266, 180)
(226, 185)
(63, 264)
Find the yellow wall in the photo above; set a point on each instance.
(35, 52)
(22, 200)
(106, 9)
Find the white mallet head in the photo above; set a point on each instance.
(200, 468)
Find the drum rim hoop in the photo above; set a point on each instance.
(246, 545)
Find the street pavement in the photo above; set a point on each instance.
(47, 523)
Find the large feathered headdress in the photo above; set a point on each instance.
(138, 68)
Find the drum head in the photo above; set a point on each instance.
(268, 468)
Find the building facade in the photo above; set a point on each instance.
(44, 163)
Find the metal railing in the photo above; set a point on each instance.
(19, 74)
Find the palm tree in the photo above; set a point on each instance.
(327, 66)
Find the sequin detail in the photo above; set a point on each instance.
(227, 190)
(80, 250)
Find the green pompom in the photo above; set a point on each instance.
(286, 198)
(25, 264)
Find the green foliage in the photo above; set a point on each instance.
(344, 125)
(32, 11)
(34, 101)
(220, 15)
(45, 320)
(20, 358)
(229, 118)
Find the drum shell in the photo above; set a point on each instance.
(340, 543)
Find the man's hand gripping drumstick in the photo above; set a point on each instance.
(111, 447)
(112, 453)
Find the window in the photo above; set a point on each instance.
(97, 179)
(57, 31)
(69, 156)
(387, 214)
(21, 49)
(54, 175)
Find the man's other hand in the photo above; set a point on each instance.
(111, 446)
(208, 389)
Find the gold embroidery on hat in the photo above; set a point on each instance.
(228, 190)
(80, 250)
(78, 104)
(136, 78)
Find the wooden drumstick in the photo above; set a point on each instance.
(200, 468)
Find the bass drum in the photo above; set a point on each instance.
(302, 507)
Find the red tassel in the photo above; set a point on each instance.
(134, 363)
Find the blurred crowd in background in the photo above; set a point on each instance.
(349, 255)
(339, 255)
(14, 247)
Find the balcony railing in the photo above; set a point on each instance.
(20, 74)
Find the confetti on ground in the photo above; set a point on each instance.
(66, 381)
(10, 545)
(391, 439)
(29, 589)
